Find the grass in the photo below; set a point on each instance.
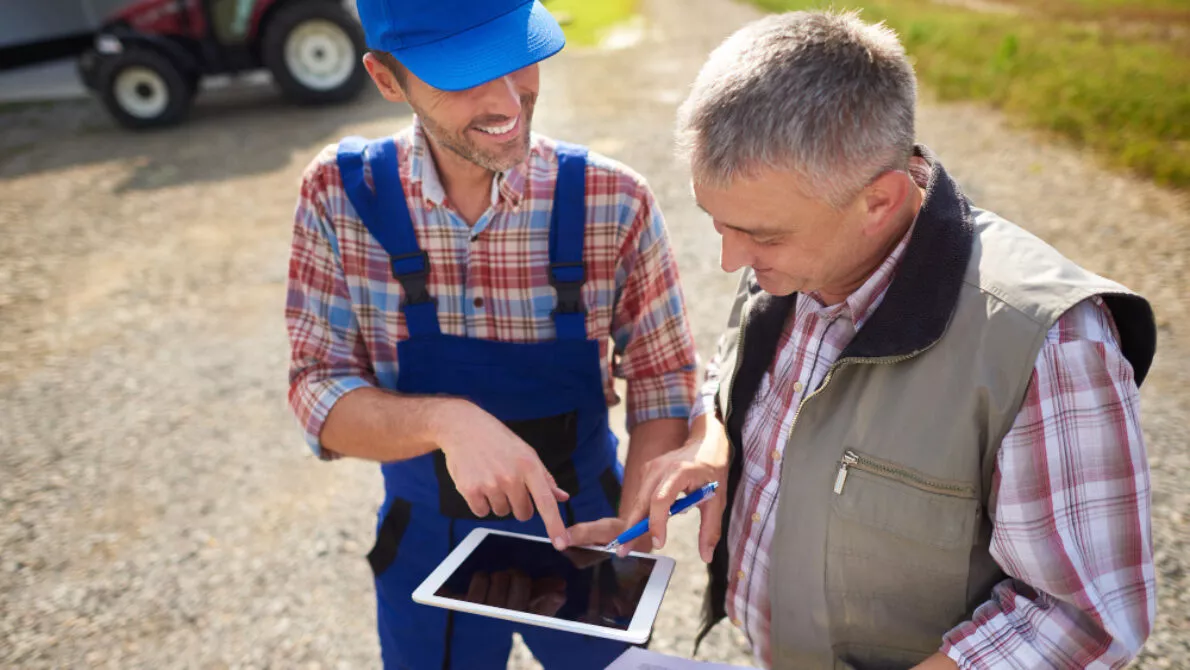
(1157, 6)
(1112, 75)
(586, 21)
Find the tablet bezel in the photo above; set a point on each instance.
(638, 630)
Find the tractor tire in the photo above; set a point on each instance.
(315, 51)
(142, 89)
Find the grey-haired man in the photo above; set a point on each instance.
(927, 418)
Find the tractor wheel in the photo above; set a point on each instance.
(315, 52)
(143, 89)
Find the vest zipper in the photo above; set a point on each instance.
(841, 478)
(849, 459)
(853, 460)
(844, 465)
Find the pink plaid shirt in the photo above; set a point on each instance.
(490, 280)
(1071, 492)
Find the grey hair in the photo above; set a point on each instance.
(821, 94)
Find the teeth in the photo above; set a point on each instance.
(499, 130)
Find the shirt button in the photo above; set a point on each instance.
(756, 517)
(776, 455)
(478, 303)
(737, 623)
(797, 387)
(739, 575)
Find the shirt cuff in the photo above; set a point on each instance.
(701, 408)
(995, 638)
(322, 397)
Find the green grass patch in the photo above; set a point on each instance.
(1113, 75)
(586, 21)
(1114, 8)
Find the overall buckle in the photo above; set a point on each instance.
(413, 282)
(570, 292)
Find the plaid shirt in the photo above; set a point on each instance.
(490, 280)
(809, 344)
(1071, 492)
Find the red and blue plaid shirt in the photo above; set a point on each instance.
(490, 280)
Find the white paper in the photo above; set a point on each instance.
(643, 659)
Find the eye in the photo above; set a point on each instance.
(770, 241)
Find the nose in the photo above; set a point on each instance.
(732, 254)
(502, 97)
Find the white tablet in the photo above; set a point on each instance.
(523, 578)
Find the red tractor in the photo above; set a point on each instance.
(148, 59)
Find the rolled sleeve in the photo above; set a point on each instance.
(654, 348)
(328, 356)
(709, 389)
(666, 396)
(315, 402)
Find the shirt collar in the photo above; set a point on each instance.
(508, 187)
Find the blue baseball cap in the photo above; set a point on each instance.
(454, 45)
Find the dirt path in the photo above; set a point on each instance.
(157, 507)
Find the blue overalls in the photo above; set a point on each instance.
(548, 393)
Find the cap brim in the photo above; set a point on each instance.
(505, 44)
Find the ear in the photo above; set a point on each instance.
(883, 198)
(386, 81)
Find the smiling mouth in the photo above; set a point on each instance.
(501, 129)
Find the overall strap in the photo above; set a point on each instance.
(350, 158)
(385, 214)
(567, 224)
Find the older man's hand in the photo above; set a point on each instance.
(665, 478)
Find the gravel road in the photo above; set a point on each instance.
(157, 506)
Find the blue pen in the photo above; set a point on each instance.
(679, 506)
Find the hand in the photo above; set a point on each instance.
(514, 590)
(497, 472)
(664, 479)
(938, 661)
(586, 558)
(601, 532)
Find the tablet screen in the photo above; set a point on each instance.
(581, 585)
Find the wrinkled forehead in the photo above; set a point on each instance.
(762, 204)
(758, 185)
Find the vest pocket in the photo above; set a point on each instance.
(905, 502)
(898, 556)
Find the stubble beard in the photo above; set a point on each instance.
(509, 155)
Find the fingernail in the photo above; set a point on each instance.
(656, 543)
(559, 544)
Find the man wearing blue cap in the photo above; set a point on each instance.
(460, 298)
